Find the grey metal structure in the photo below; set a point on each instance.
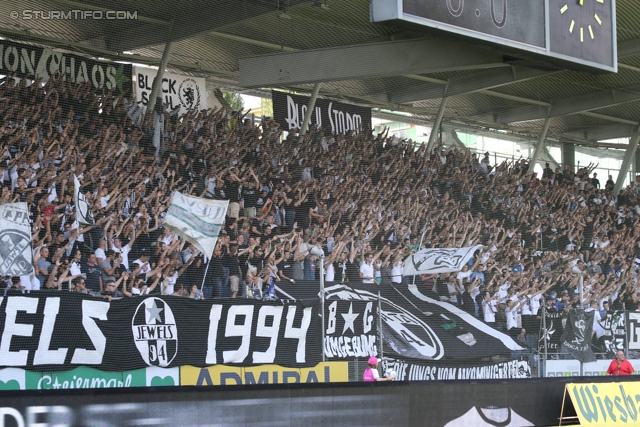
(293, 44)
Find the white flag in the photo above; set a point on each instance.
(16, 257)
(83, 211)
(438, 260)
(196, 220)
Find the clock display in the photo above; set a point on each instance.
(575, 34)
(582, 28)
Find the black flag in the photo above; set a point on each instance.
(577, 334)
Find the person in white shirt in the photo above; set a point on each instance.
(124, 250)
(397, 271)
(366, 269)
(100, 254)
(489, 308)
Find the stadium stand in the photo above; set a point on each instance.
(367, 201)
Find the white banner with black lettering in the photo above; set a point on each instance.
(15, 240)
(185, 92)
(438, 260)
(165, 332)
(197, 220)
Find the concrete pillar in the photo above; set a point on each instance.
(568, 155)
(626, 162)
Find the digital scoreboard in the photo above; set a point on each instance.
(579, 34)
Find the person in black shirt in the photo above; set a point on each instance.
(256, 229)
(249, 199)
(232, 193)
(15, 289)
(231, 262)
(215, 275)
(285, 266)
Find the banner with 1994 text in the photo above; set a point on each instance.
(164, 332)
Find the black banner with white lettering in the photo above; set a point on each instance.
(21, 60)
(615, 333)
(576, 338)
(633, 334)
(550, 331)
(419, 370)
(351, 329)
(52, 331)
(413, 325)
(339, 118)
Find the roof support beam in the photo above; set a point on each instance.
(628, 48)
(384, 59)
(540, 145)
(602, 133)
(573, 105)
(481, 80)
(626, 162)
(436, 125)
(114, 56)
(192, 22)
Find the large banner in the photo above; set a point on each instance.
(351, 329)
(577, 335)
(28, 61)
(633, 334)
(415, 370)
(550, 331)
(615, 332)
(185, 92)
(163, 332)
(197, 220)
(413, 326)
(289, 111)
(16, 258)
(438, 260)
(617, 403)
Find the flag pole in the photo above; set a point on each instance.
(418, 248)
(206, 270)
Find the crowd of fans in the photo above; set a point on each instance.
(364, 202)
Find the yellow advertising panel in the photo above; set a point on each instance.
(264, 374)
(606, 404)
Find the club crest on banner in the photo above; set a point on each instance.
(189, 93)
(439, 260)
(155, 332)
(403, 332)
(15, 240)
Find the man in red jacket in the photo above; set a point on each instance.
(620, 366)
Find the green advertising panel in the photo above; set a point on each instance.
(84, 377)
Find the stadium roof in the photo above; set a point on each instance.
(333, 41)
